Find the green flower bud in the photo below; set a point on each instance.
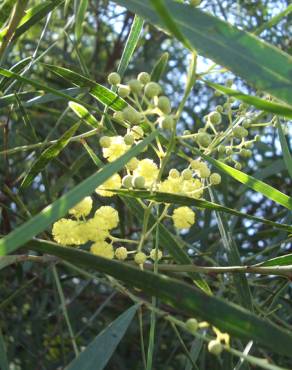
(137, 132)
(232, 100)
(131, 115)
(215, 118)
(240, 132)
(228, 151)
(192, 325)
(215, 347)
(135, 86)
(204, 171)
(219, 109)
(195, 164)
(248, 144)
(138, 182)
(174, 173)
(166, 123)
(163, 104)
(215, 179)
(257, 138)
(140, 258)
(118, 116)
(144, 77)
(114, 78)
(229, 82)
(105, 141)
(195, 3)
(203, 139)
(155, 255)
(243, 106)
(221, 149)
(127, 181)
(237, 166)
(246, 123)
(129, 139)
(152, 89)
(124, 91)
(187, 174)
(186, 132)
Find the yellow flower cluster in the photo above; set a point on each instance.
(183, 217)
(96, 229)
(117, 147)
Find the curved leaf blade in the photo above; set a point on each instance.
(265, 67)
(200, 203)
(97, 354)
(227, 317)
(251, 182)
(49, 154)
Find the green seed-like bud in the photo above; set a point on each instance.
(140, 258)
(192, 325)
(204, 171)
(215, 118)
(248, 144)
(246, 123)
(144, 77)
(137, 132)
(215, 179)
(229, 82)
(186, 132)
(204, 139)
(129, 139)
(155, 255)
(240, 132)
(132, 115)
(105, 141)
(127, 181)
(215, 347)
(138, 182)
(217, 93)
(135, 86)
(257, 138)
(195, 164)
(219, 109)
(228, 151)
(118, 116)
(174, 173)
(232, 100)
(221, 149)
(114, 78)
(152, 89)
(195, 2)
(166, 123)
(124, 91)
(248, 153)
(163, 104)
(243, 106)
(237, 166)
(132, 164)
(187, 174)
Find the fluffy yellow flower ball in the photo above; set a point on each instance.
(193, 188)
(106, 217)
(83, 208)
(93, 231)
(102, 249)
(183, 217)
(114, 182)
(116, 149)
(147, 169)
(67, 232)
(171, 185)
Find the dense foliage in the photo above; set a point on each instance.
(145, 184)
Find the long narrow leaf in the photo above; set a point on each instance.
(251, 182)
(285, 149)
(48, 155)
(226, 316)
(261, 64)
(200, 203)
(97, 354)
